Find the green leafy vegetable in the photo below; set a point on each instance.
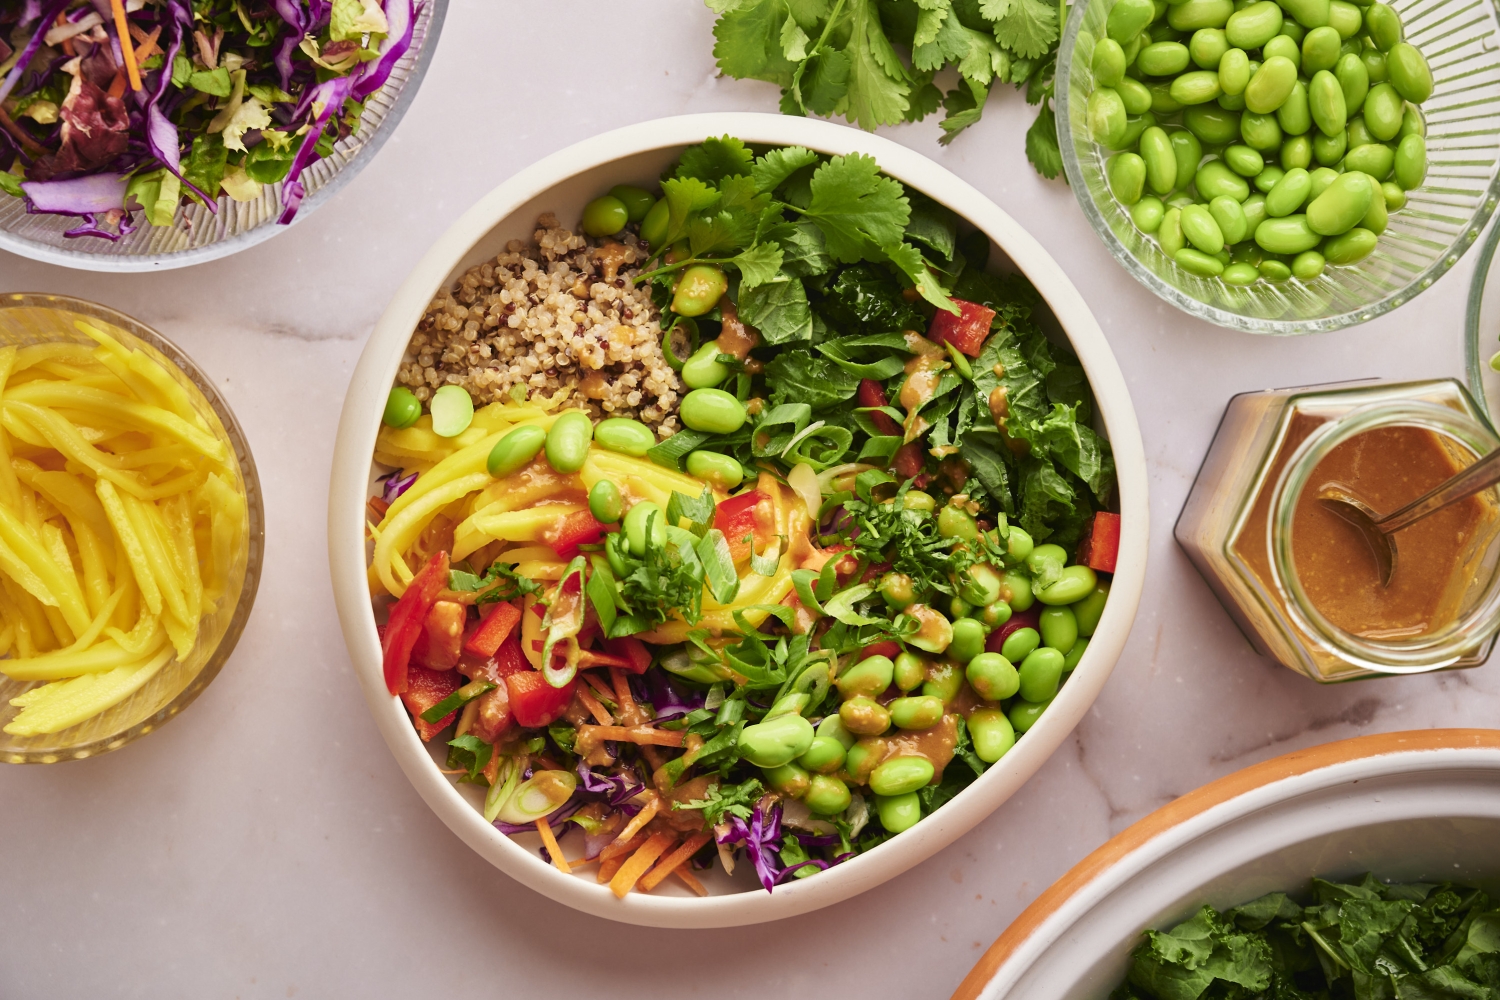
(842, 57)
(1367, 940)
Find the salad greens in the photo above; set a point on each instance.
(108, 109)
(873, 61)
(1368, 940)
(882, 566)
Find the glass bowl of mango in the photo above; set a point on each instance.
(131, 529)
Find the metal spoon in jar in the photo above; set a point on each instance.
(1379, 531)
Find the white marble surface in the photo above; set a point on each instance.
(265, 845)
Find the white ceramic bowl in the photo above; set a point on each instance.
(563, 183)
(1417, 806)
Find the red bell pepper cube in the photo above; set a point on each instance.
(908, 460)
(1100, 548)
(1030, 618)
(872, 393)
(736, 518)
(486, 636)
(424, 689)
(509, 659)
(888, 649)
(632, 650)
(408, 619)
(578, 528)
(967, 331)
(534, 702)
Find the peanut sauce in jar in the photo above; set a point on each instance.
(1386, 468)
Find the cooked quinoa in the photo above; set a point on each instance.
(558, 314)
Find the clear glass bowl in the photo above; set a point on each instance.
(1442, 219)
(196, 234)
(1482, 325)
(36, 319)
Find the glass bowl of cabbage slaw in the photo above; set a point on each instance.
(675, 766)
(142, 136)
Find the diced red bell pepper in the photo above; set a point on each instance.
(408, 618)
(967, 331)
(424, 689)
(631, 649)
(578, 528)
(1030, 618)
(872, 393)
(908, 460)
(497, 624)
(534, 702)
(887, 648)
(736, 518)
(509, 659)
(1100, 548)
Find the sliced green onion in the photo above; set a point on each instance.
(458, 699)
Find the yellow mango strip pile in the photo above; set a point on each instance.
(121, 518)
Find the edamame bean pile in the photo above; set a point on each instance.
(1259, 139)
(787, 632)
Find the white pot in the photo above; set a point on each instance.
(563, 183)
(1418, 806)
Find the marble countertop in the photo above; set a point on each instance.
(265, 843)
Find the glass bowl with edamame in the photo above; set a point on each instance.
(743, 649)
(1286, 167)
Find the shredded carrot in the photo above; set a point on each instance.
(635, 734)
(148, 43)
(117, 85)
(641, 860)
(595, 709)
(594, 658)
(637, 822)
(672, 861)
(550, 842)
(122, 28)
(630, 712)
(691, 880)
(608, 866)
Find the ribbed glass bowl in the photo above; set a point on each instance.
(37, 319)
(197, 234)
(1441, 220)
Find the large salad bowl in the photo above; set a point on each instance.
(563, 183)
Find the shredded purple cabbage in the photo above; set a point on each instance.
(759, 838)
(668, 699)
(617, 789)
(24, 59)
(395, 485)
(91, 195)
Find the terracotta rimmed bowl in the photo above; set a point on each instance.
(1406, 806)
(563, 183)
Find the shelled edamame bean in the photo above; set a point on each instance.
(1259, 139)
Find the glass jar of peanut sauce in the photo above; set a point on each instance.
(1302, 583)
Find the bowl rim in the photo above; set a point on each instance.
(255, 538)
(1409, 290)
(360, 423)
(82, 260)
(1475, 361)
(1209, 807)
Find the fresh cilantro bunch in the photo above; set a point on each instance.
(873, 61)
(776, 219)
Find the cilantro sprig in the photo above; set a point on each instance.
(779, 218)
(873, 61)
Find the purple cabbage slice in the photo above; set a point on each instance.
(94, 194)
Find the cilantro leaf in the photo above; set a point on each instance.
(878, 81)
(1029, 27)
(715, 159)
(776, 166)
(725, 800)
(858, 210)
(1041, 143)
(685, 196)
(748, 42)
(758, 265)
(909, 259)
